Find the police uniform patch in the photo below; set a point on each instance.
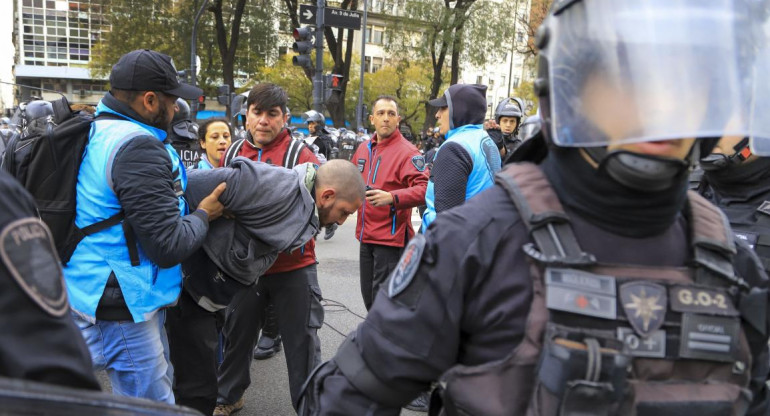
(361, 164)
(27, 250)
(419, 163)
(645, 306)
(407, 266)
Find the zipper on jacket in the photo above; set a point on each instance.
(259, 155)
(376, 168)
(363, 206)
(393, 216)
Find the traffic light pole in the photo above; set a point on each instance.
(193, 57)
(360, 107)
(318, 77)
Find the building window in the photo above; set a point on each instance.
(377, 64)
(519, 37)
(479, 80)
(516, 82)
(503, 83)
(375, 35)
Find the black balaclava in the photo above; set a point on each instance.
(605, 203)
(742, 183)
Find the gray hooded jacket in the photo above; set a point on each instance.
(274, 211)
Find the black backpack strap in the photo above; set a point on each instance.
(291, 157)
(544, 216)
(233, 151)
(713, 244)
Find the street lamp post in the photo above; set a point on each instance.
(513, 45)
(360, 108)
(194, 56)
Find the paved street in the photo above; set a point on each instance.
(338, 276)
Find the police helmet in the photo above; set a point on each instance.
(313, 116)
(182, 128)
(600, 62)
(5, 120)
(37, 109)
(509, 107)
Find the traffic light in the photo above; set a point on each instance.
(201, 103)
(336, 82)
(223, 95)
(303, 45)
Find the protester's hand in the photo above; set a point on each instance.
(378, 197)
(211, 204)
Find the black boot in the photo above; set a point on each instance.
(267, 347)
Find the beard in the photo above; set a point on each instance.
(160, 120)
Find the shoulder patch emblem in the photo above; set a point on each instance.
(361, 164)
(645, 306)
(419, 163)
(407, 266)
(27, 250)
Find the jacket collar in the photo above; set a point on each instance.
(387, 141)
(111, 105)
(466, 127)
(278, 141)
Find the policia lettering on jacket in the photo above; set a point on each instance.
(592, 283)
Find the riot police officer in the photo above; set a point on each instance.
(40, 342)
(592, 283)
(317, 134)
(738, 182)
(347, 145)
(183, 135)
(508, 115)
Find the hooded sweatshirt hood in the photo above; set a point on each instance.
(467, 104)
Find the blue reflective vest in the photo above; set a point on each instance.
(204, 163)
(486, 162)
(146, 287)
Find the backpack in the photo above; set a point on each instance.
(290, 159)
(46, 161)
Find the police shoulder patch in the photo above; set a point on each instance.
(419, 163)
(407, 266)
(28, 252)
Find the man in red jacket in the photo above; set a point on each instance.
(290, 285)
(394, 172)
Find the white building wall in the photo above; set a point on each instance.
(7, 53)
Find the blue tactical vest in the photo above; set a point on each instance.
(146, 287)
(486, 162)
(204, 163)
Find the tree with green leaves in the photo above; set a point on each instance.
(235, 37)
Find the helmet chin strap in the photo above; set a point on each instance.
(717, 161)
(641, 172)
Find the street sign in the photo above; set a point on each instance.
(346, 19)
(307, 14)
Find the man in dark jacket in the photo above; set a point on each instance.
(40, 342)
(585, 285)
(467, 161)
(121, 279)
(394, 172)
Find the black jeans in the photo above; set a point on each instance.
(192, 339)
(376, 263)
(296, 298)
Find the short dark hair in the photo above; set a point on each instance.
(386, 98)
(203, 127)
(126, 96)
(266, 96)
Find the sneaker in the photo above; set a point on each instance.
(330, 229)
(228, 409)
(420, 403)
(267, 347)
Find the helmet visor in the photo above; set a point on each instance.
(628, 72)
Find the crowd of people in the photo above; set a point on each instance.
(602, 256)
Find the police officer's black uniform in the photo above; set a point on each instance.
(459, 308)
(40, 342)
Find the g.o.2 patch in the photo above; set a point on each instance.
(27, 250)
(407, 266)
(419, 163)
(361, 164)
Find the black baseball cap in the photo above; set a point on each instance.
(146, 70)
(439, 102)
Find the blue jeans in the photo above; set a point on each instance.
(135, 355)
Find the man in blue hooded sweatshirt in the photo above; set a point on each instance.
(467, 161)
